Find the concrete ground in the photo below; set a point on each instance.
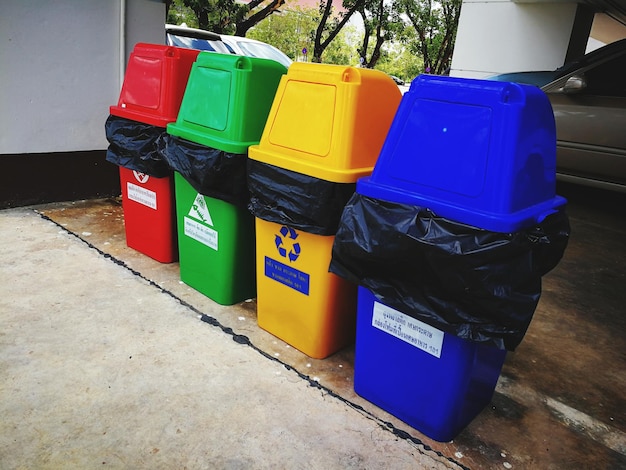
(108, 360)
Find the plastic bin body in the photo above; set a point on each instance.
(154, 83)
(328, 122)
(216, 245)
(227, 101)
(474, 151)
(149, 214)
(298, 300)
(433, 381)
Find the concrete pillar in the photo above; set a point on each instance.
(499, 36)
(144, 22)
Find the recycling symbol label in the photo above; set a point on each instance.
(286, 243)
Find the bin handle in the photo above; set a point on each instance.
(351, 75)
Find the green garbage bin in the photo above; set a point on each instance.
(223, 112)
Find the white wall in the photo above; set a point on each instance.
(498, 36)
(60, 69)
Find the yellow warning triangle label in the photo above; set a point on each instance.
(200, 211)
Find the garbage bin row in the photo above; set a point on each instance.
(420, 225)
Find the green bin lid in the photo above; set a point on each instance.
(227, 101)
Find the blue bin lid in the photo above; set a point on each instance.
(503, 223)
(478, 152)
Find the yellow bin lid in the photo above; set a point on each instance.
(328, 121)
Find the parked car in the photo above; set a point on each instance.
(398, 80)
(191, 38)
(588, 97)
(183, 36)
(253, 48)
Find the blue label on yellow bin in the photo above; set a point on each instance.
(287, 275)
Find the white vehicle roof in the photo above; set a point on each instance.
(183, 36)
(253, 48)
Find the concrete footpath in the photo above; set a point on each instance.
(108, 360)
(102, 368)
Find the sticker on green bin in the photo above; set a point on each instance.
(198, 223)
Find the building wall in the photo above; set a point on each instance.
(59, 72)
(61, 67)
(498, 36)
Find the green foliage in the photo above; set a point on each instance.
(401, 62)
(381, 25)
(340, 52)
(293, 30)
(435, 25)
(178, 13)
(219, 16)
(406, 37)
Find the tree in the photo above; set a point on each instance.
(293, 30)
(398, 59)
(224, 16)
(257, 11)
(380, 23)
(431, 35)
(435, 24)
(330, 25)
(178, 13)
(340, 51)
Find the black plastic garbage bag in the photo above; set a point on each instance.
(134, 145)
(211, 172)
(297, 200)
(478, 285)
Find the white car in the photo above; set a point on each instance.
(253, 48)
(192, 38)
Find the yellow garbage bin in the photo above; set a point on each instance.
(325, 129)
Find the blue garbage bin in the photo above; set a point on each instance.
(442, 238)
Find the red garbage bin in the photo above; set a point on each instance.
(153, 88)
